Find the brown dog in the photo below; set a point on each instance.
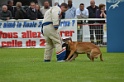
(88, 48)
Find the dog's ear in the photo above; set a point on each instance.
(70, 39)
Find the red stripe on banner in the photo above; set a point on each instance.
(61, 51)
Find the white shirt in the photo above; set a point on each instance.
(82, 14)
(52, 15)
(43, 10)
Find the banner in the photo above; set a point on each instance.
(27, 33)
(115, 24)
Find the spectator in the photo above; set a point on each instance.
(5, 14)
(92, 14)
(10, 7)
(32, 12)
(100, 13)
(82, 12)
(71, 12)
(40, 15)
(19, 14)
(25, 2)
(45, 8)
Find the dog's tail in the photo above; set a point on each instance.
(101, 57)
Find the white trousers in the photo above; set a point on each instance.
(53, 40)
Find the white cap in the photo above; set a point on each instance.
(65, 37)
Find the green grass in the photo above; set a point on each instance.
(26, 65)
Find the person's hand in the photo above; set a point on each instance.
(7, 18)
(101, 15)
(102, 11)
(104, 15)
(81, 15)
(56, 27)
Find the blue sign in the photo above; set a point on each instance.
(115, 24)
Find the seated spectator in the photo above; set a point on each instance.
(82, 12)
(40, 15)
(32, 12)
(45, 7)
(5, 14)
(71, 12)
(20, 13)
(10, 7)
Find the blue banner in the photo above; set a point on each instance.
(115, 24)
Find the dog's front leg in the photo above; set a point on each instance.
(74, 56)
(88, 55)
(71, 53)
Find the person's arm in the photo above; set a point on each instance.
(78, 14)
(10, 15)
(98, 14)
(40, 15)
(91, 13)
(29, 15)
(86, 15)
(17, 14)
(2, 17)
(55, 17)
(63, 16)
(75, 12)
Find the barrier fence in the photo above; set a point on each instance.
(95, 33)
(26, 33)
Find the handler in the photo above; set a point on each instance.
(50, 31)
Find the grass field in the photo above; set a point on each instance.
(26, 65)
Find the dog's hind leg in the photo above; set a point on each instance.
(101, 57)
